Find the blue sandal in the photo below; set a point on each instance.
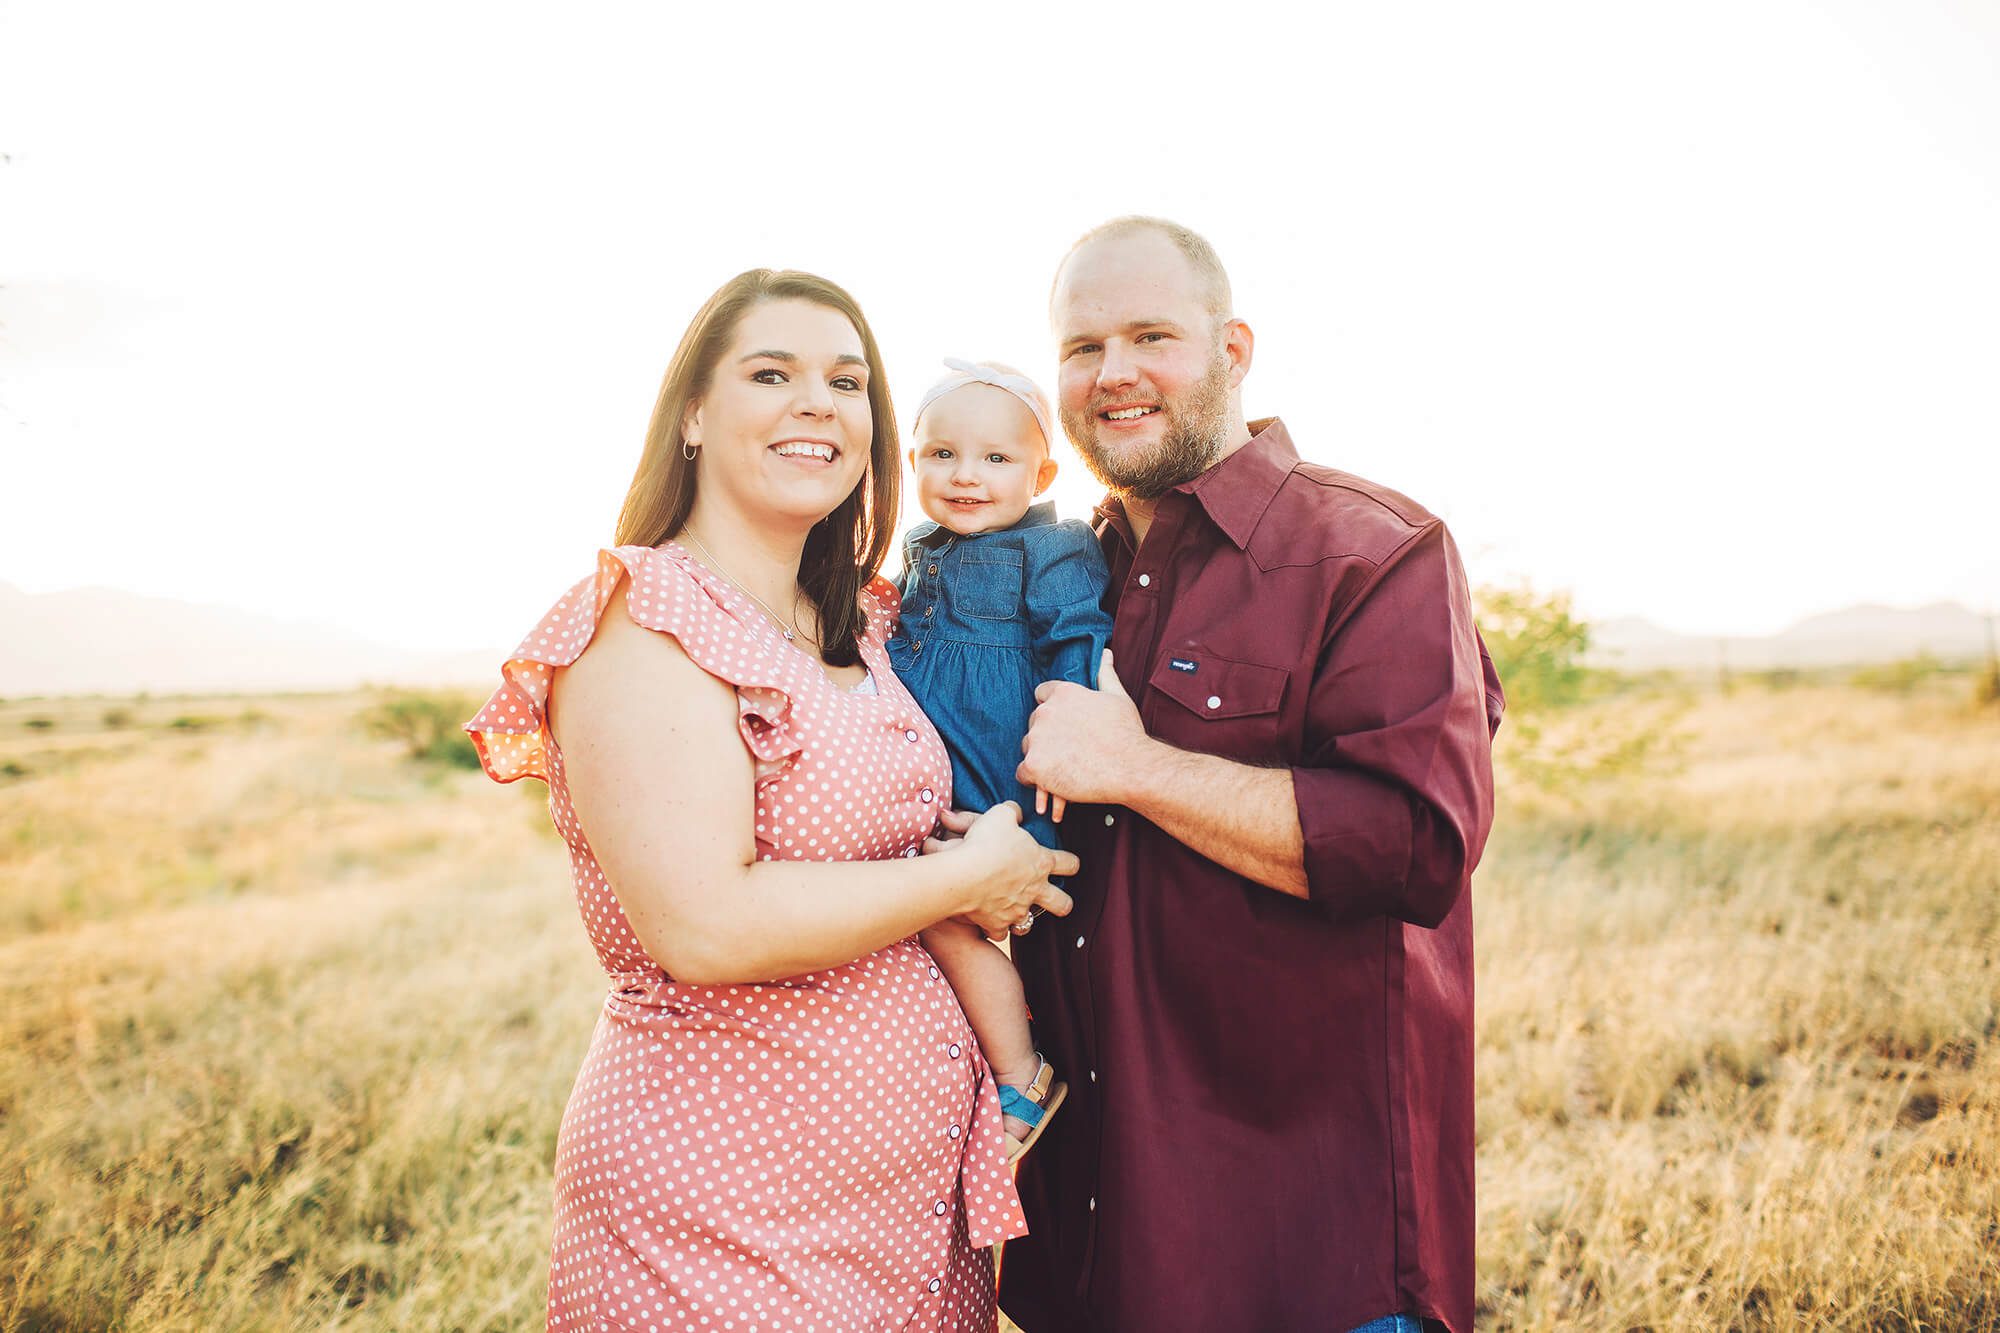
(1035, 1107)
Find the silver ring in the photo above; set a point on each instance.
(1024, 925)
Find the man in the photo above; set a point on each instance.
(1263, 999)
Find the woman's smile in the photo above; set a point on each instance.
(816, 453)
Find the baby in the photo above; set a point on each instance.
(997, 598)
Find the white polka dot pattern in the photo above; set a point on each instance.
(821, 1153)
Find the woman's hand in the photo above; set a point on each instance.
(1008, 871)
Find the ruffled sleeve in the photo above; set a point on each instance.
(511, 731)
(883, 603)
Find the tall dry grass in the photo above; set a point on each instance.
(289, 1048)
(287, 1022)
(1739, 1026)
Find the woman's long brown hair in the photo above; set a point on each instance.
(844, 549)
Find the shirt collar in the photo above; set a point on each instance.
(1236, 491)
(936, 534)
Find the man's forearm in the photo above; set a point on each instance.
(1241, 817)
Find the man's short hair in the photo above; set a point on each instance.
(1200, 255)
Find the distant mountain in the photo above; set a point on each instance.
(100, 641)
(1856, 636)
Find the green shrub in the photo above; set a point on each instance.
(1898, 677)
(38, 723)
(194, 722)
(117, 718)
(428, 724)
(1537, 647)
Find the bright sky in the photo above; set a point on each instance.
(355, 312)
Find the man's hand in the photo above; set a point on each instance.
(1081, 743)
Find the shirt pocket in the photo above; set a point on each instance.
(989, 583)
(1215, 705)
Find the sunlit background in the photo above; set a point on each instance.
(327, 338)
(354, 314)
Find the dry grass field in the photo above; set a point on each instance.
(287, 1021)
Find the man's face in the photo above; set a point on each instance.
(1145, 377)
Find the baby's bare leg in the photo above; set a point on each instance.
(989, 990)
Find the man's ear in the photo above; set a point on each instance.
(1045, 474)
(1239, 345)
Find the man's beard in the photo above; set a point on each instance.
(1197, 430)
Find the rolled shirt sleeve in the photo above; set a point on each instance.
(1395, 788)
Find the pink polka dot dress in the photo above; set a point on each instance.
(819, 1153)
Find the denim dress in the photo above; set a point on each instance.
(986, 619)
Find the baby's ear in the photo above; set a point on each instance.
(1045, 474)
(911, 456)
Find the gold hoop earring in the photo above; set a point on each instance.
(688, 451)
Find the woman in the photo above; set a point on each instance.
(783, 1120)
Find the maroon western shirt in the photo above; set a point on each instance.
(1269, 1123)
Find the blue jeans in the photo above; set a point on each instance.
(1395, 1323)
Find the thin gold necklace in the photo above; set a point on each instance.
(791, 636)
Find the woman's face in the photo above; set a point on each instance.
(784, 426)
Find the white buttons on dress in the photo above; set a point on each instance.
(1215, 701)
(933, 1285)
(911, 735)
(1145, 580)
(938, 1208)
(909, 851)
(951, 1131)
(952, 1050)
(929, 795)
(934, 974)
(1109, 820)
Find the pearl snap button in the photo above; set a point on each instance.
(928, 795)
(932, 570)
(1145, 580)
(933, 1286)
(934, 974)
(1109, 820)
(911, 735)
(1079, 941)
(909, 851)
(952, 1050)
(1093, 1076)
(1093, 1205)
(1215, 701)
(951, 1132)
(938, 1208)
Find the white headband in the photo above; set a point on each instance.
(965, 372)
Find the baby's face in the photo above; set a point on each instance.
(980, 459)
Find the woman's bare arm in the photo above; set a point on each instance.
(666, 795)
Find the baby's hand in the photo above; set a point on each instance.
(950, 831)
